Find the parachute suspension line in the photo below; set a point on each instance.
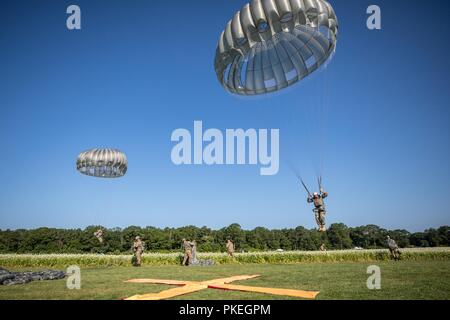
(301, 47)
(295, 171)
(300, 179)
(322, 121)
(316, 123)
(326, 116)
(319, 183)
(319, 121)
(292, 136)
(306, 188)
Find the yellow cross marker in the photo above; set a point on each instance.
(193, 286)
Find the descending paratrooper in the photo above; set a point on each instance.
(99, 235)
(393, 248)
(319, 206)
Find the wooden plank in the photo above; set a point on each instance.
(275, 291)
(170, 293)
(159, 281)
(231, 279)
(221, 283)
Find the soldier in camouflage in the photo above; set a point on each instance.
(230, 248)
(99, 235)
(393, 248)
(138, 248)
(319, 208)
(187, 246)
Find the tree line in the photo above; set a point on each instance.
(117, 240)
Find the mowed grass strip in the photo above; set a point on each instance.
(162, 259)
(346, 280)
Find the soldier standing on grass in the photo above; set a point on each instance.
(138, 249)
(187, 246)
(230, 248)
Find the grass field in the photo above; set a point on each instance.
(272, 257)
(427, 279)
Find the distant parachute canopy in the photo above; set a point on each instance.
(272, 44)
(103, 163)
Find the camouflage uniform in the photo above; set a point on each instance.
(187, 246)
(138, 248)
(230, 248)
(319, 209)
(322, 247)
(99, 235)
(393, 248)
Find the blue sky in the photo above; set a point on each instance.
(138, 70)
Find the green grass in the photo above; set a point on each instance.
(160, 259)
(426, 279)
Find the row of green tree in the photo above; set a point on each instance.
(117, 240)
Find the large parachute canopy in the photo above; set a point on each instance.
(103, 163)
(272, 44)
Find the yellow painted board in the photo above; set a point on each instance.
(222, 283)
(159, 281)
(275, 291)
(230, 279)
(170, 293)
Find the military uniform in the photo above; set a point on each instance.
(138, 248)
(230, 248)
(99, 235)
(322, 247)
(393, 248)
(187, 246)
(319, 209)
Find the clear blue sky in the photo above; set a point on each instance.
(140, 69)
